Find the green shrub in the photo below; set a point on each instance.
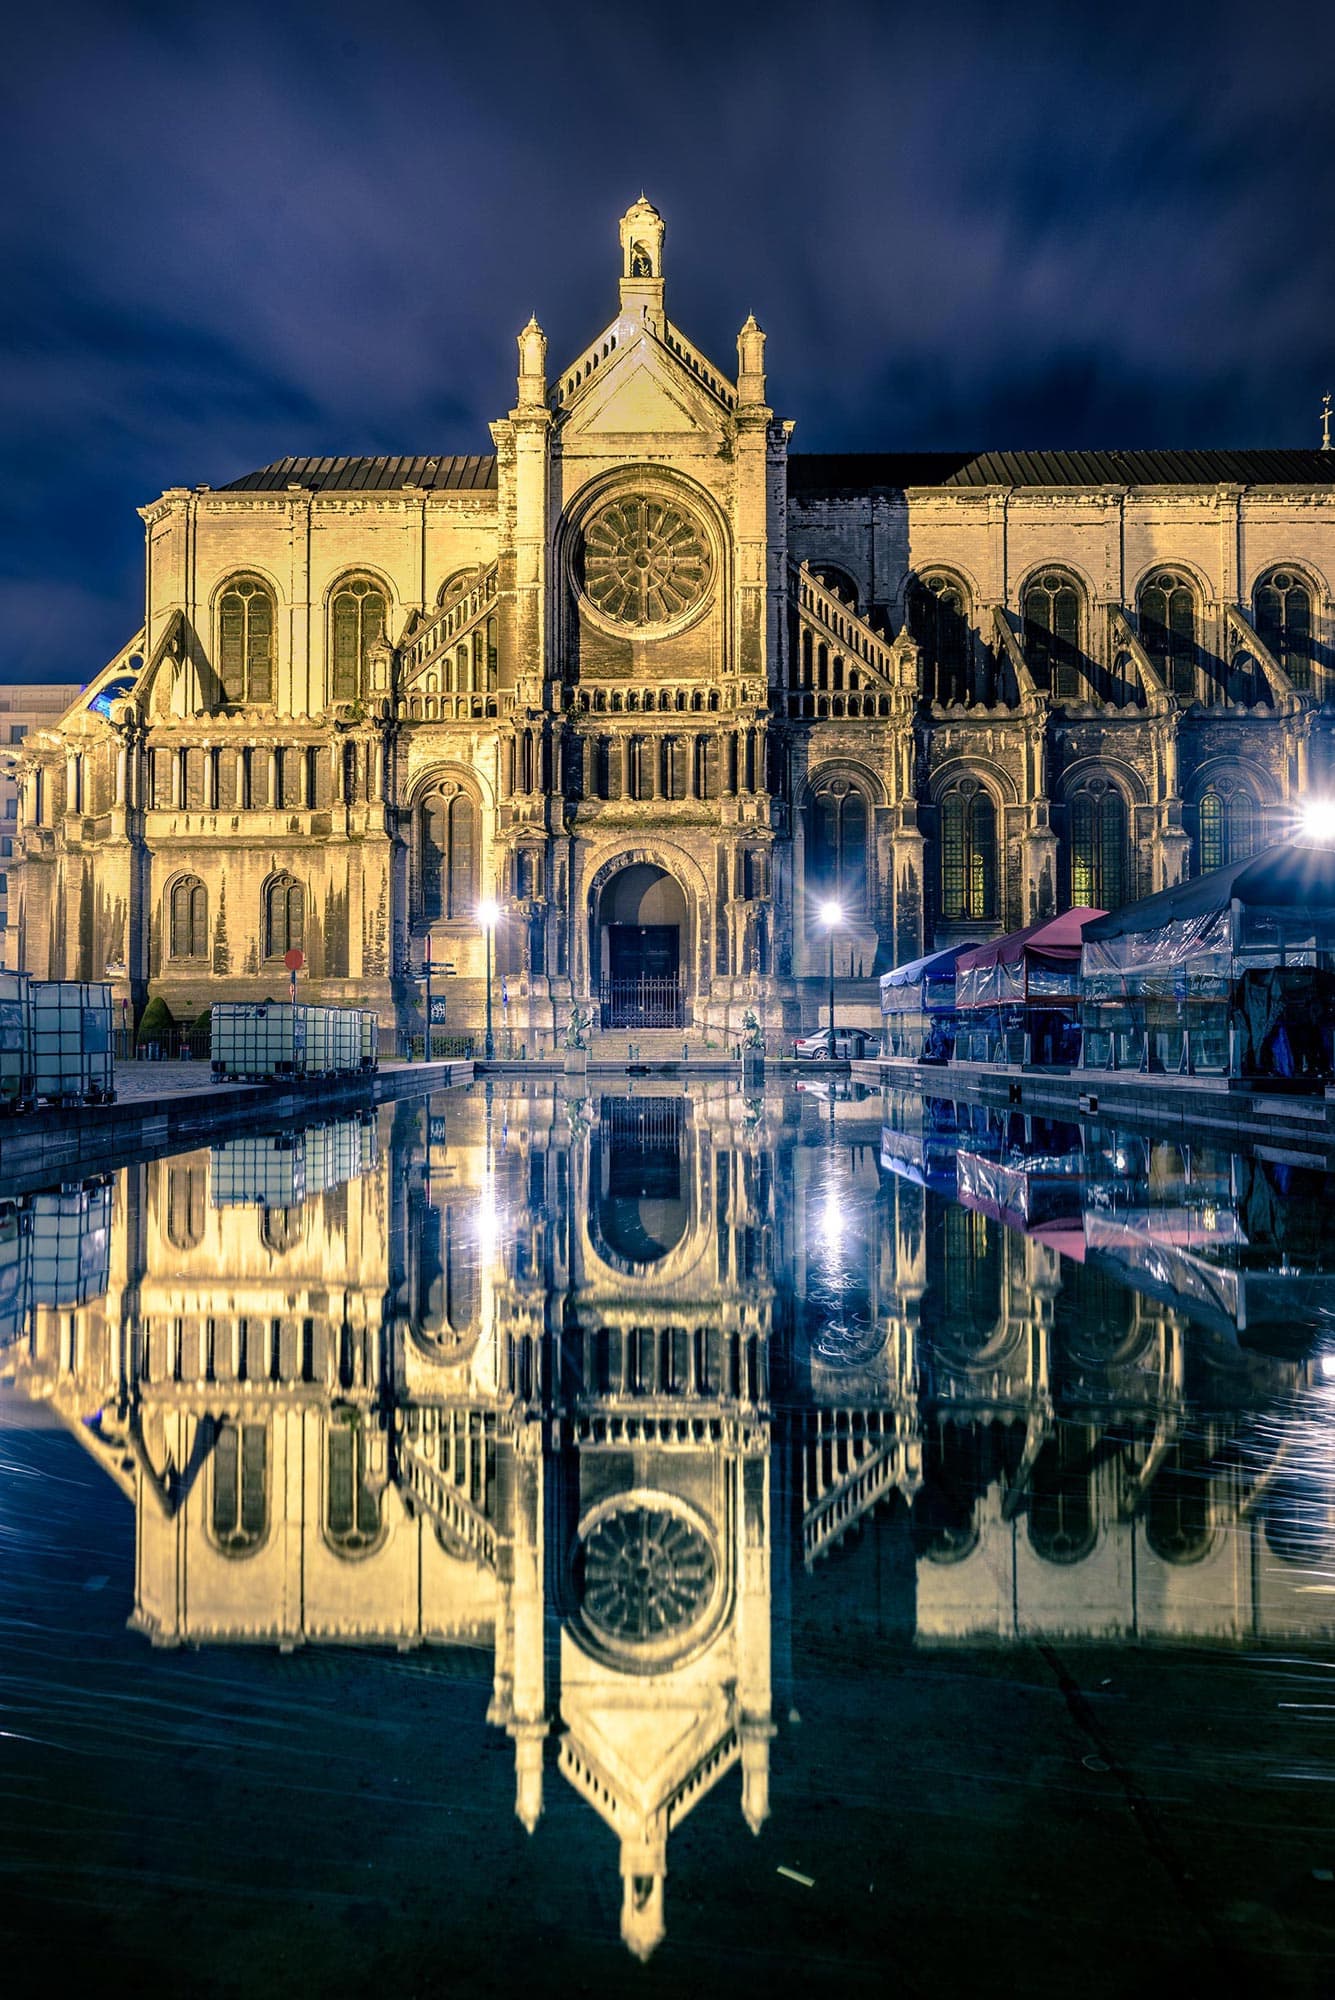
(155, 1023)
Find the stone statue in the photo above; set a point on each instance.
(580, 1023)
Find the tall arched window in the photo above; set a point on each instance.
(284, 917)
(1168, 630)
(1283, 605)
(353, 1500)
(188, 921)
(239, 1498)
(968, 851)
(1226, 825)
(357, 621)
(1098, 840)
(187, 1206)
(447, 845)
(246, 626)
(1062, 1524)
(938, 608)
(836, 856)
(1051, 613)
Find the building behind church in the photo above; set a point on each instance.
(665, 689)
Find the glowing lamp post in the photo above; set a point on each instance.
(1317, 820)
(489, 915)
(831, 915)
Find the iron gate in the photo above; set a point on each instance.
(648, 1001)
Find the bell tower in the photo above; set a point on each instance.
(642, 264)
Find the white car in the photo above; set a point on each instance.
(813, 1048)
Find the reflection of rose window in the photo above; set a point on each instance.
(646, 1574)
(645, 561)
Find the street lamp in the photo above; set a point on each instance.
(831, 915)
(1317, 820)
(489, 915)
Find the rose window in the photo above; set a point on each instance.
(645, 561)
(647, 1574)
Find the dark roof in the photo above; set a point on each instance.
(829, 473)
(1285, 877)
(475, 474)
(822, 473)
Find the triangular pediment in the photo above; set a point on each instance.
(642, 1748)
(636, 400)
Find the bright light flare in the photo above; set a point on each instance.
(488, 914)
(832, 914)
(1317, 820)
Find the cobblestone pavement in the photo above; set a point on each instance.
(138, 1082)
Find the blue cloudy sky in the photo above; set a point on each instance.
(238, 231)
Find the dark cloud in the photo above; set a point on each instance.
(242, 231)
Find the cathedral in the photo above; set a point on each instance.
(663, 719)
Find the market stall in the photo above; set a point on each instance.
(1017, 998)
(1230, 975)
(918, 1008)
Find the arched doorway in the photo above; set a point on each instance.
(639, 949)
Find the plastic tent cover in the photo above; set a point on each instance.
(922, 983)
(1286, 877)
(1036, 962)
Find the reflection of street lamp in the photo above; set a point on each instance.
(831, 915)
(489, 915)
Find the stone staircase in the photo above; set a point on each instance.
(652, 1045)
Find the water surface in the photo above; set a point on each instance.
(792, 1540)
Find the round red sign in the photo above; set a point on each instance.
(294, 960)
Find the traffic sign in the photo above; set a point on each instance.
(294, 959)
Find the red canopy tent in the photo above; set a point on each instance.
(1038, 964)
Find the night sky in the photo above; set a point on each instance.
(237, 232)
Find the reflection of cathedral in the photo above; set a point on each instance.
(662, 687)
(501, 1363)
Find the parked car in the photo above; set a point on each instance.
(813, 1048)
(816, 1048)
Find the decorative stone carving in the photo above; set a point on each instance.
(645, 561)
(647, 1574)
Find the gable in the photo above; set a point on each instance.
(636, 400)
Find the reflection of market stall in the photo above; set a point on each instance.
(1035, 1186)
(1230, 975)
(1243, 1246)
(1018, 998)
(920, 1139)
(918, 1008)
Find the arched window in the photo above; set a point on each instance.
(188, 923)
(1168, 630)
(239, 1500)
(968, 851)
(1062, 1526)
(357, 620)
(281, 1229)
(187, 1204)
(447, 846)
(1098, 843)
(1226, 825)
(353, 1500)
(1177, 1517)
(938, 608)
(1051, 613)
(1283, 605)
(836, 857)
(284, 917)
(246, 626)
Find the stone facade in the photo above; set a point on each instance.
(663, 690)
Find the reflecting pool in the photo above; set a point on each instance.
(797, 1540)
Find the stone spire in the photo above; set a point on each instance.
(642, 264)
(750, 362)
(532, 365)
